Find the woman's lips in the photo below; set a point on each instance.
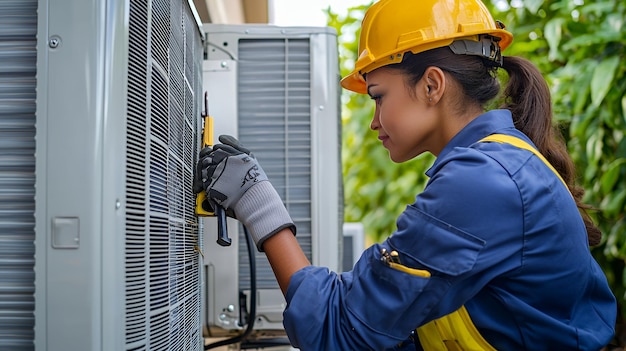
(383, 139)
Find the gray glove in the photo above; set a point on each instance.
(234, 180)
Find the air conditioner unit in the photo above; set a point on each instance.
(277, 90)
(118, 99)
(353, 244)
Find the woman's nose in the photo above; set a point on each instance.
(375, 124)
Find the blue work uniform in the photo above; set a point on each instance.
(499, 233)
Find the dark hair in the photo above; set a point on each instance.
(526, 95)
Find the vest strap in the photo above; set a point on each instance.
(517, 142)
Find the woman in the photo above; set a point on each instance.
(493, 254)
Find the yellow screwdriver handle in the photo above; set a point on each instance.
(207, 140)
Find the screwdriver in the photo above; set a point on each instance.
(201, 210)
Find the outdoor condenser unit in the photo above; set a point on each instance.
(353, 244)
(99, 137)
(277, 90)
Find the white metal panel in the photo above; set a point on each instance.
(69, 171)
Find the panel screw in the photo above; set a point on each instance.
(54, 42)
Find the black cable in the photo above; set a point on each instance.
(252, 314)
(263, 343)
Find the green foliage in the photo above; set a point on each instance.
(579, 46)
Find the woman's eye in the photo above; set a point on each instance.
(377, 99)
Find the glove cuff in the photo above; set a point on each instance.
(264, 212)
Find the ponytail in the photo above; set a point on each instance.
(527, 96)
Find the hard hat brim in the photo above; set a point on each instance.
(354, 82)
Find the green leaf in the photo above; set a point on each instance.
(594, 153)
(594, 39)
(624, 108)
(602, 79)
(610, 177)
(614, 204)
(615, 239)
(597, 8)
(581, 87)
(533, 5)
(553, 33)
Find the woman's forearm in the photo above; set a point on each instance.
(285, 256)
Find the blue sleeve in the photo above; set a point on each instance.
(365, 309)
(376, 306)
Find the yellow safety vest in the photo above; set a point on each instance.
(456, 331)
(453, 332)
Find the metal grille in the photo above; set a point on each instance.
(162, 267)
(18, 28)
(275, 121)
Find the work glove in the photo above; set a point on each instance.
(234, 180)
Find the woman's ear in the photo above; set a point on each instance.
(434, 84)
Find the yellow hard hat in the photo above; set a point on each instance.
(391, 28)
